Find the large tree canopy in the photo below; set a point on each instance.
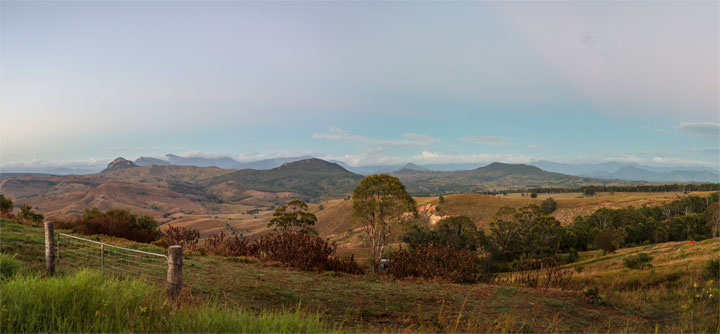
(379, 202)
(293, 217)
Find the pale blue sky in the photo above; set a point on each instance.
(363, 82)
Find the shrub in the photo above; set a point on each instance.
(183, 236)
(712, 269)
(539, 272)
(305, 252)
(115, 223)
(298, 250)
(639, 261)
(9, 266)
(431, 261)
(225, 245)
(6, 207)
(548, 206)
(594, 297)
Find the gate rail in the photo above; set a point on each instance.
(128, 260)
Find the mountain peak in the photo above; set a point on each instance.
(313, 164)
(119, 163)
(412, 166)
(147, 161)
(511, 168)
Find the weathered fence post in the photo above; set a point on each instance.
(102, 260)
(50, 247)
(174, 274)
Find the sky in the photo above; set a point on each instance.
(368, 83)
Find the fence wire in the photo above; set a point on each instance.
(74, 252)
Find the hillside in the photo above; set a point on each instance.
(312, 179)
(496, 176)
(644, 300)
(163, 190)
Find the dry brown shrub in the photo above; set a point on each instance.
(536, 273)
(183, 236)
(433, 261)
(302, 251)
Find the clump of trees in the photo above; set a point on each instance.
(519, 235)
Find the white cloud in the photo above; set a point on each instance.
(705, 130)
(411, 139)
(29, 165)
(488, 140)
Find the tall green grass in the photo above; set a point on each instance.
(85, 302)
(9, 266)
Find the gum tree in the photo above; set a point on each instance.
(380, 202)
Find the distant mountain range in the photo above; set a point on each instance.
(634, 172)
(612, 170)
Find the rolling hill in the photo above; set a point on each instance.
(495, 176)
(160, 190)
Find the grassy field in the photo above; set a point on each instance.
(637, 300)
(481, 208)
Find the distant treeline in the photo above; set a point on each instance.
(531, 233)
(644, 188)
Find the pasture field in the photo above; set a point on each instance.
(335, 219)
(660, 298)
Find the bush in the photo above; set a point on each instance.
(539, 272)
(85, 303)
(712, 269)
(548, 206)
(305, 252)
(224, 245)
(431, 261)
(298, 250)
(639, 261)
(115, 223)
(594, 297)
(9, 266)
(183, 236)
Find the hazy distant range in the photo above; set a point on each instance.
(606, 170)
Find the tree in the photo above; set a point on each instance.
(542, 236)
(608, 240)
(6, 206)
(441, 199)
(293, 217)
(548, 206)
(380, 201)
(418, 236)
(533, 194)
(458, 232)
(712, 214)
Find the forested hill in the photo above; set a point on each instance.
(495, 176)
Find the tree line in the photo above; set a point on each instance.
(592, 190)
(531, 233)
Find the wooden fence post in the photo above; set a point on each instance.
(50, 248)
(174, 274)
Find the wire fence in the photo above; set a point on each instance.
(74, 252)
